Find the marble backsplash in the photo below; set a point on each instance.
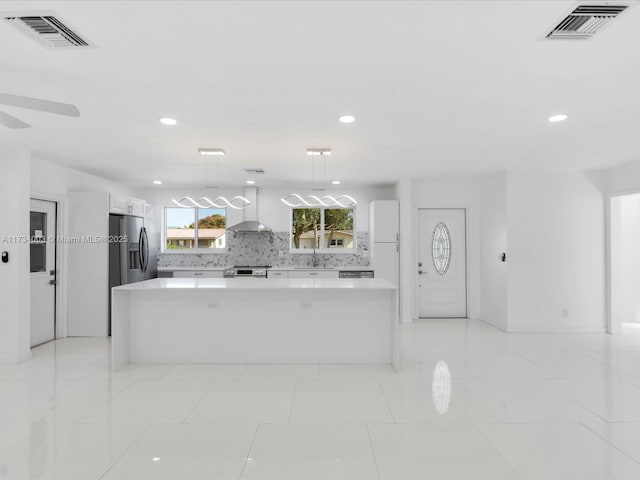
(266, 249)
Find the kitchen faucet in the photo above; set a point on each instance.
(314, 260)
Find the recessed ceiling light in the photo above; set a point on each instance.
(347, 119)
(336, 182)
(158, 182)
(168, 121)
(251, 182)
(561, 117)
(156, 459)
(211, 151)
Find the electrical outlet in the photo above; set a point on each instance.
(280, 253)
(565, 313)
(306, 305)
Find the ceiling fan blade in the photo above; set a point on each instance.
(39, 104)
(11, 122)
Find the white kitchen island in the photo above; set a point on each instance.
(254, 320)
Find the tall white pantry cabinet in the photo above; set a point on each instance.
(384, 232)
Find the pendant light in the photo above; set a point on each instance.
(238, 202)
(295, 200)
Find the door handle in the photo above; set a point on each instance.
(52, 282)
(146, 250)
(141, 249)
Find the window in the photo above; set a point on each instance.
(325, 229)
(441, 248)
(182, 232)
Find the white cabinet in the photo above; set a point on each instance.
(277, 274)
(137, 207)
(88, 261)
(126, 205)
(384, 224)
(87, 265)
(313, 274)
(386, 261)
(197, 274)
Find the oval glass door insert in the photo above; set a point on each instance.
(441, 248)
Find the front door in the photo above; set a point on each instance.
(442, 263)
(43, 271)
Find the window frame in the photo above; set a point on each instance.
(324, 250)
(196, 249)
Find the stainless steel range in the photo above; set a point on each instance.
(259, 271)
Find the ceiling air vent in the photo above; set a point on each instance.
(48, 31)
(585, 21)
(254, 170)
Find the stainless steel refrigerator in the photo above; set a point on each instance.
(130, 253)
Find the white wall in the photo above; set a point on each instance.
(623, 179)
(402, 192)
(493, 242)
(53, 179)
(15, 316)
(556, 255)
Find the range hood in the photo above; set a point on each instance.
(250, 223)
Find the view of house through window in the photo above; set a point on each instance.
(324, 228)
(189, 228)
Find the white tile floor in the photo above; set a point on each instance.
(470, 402)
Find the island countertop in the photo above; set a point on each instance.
(255, 320)
(259, 284)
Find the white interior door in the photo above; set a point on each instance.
(43, 268)
(442, 263)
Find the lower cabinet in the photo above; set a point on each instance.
(277, 274)
(197, 274)
(313, 274)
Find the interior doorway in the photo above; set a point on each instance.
(624, 258)
(441, 270)
(42, 231)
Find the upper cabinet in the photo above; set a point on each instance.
(126, 205)
(384, 221)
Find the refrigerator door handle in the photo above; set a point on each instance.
(124, 255)
(146, 249)
(141, 249)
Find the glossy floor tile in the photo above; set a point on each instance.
(205, 372)
(340, 401)
(415, 399)
(624, 436)
(611, 399)
(469, 402)
(559, 452)
(186, 451)
(315, 452)
(151, 401)
(528, 401)
(252, 401)
(282, 372)
(73, 450)
(415, 452)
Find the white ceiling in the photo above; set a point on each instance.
(438, 87)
